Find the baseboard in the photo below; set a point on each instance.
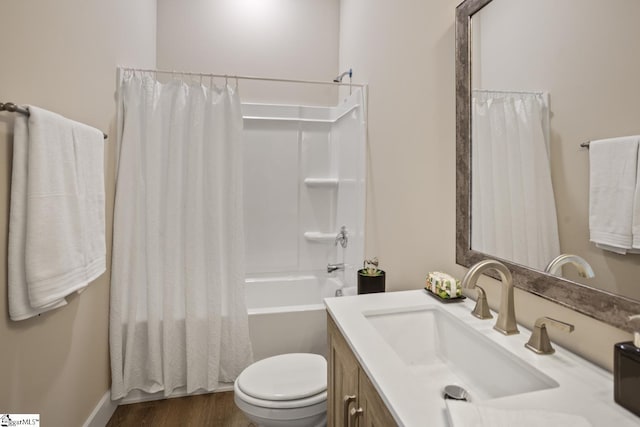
(102, 412)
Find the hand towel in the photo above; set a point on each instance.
(467, 414)
(64, 230)
(19, 306)
(613, 167)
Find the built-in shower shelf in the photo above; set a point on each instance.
(289, 113)
(319, 237)
(321, 182)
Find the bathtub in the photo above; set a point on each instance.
(287, 315)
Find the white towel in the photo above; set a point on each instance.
(63, 247)
(613, 167)
(467, 414)
(19, 306)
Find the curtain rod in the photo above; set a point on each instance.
(237, 77)
(13, 108)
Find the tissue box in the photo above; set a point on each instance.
(443, 285)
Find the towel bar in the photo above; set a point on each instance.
(13, 108)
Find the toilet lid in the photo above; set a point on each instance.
(285, 377)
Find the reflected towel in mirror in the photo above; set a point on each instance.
(613, 165)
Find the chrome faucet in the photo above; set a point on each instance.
(506, 322)
(333, 267)
(584, 269)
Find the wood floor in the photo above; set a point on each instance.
(211, 410)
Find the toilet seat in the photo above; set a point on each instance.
(280, 404)
(285, 377)
(289, 390)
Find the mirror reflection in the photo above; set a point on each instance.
(546, 77)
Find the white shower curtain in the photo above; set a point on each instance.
(178, 316)
(513, 211)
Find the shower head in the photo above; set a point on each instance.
(341, 76)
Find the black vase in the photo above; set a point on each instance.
(370, 284)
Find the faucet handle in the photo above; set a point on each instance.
(342, 237)
(539, 342)
(481, 310)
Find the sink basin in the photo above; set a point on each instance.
(440, 349)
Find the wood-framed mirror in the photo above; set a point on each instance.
(595, 298)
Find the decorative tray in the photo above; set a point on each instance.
(445, 300)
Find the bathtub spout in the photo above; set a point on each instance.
(333, 267)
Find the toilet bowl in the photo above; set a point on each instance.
(288, 390)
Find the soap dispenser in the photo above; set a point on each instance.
(626, 371)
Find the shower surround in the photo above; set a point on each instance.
(304, 178)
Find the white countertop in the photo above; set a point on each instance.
(584, 388)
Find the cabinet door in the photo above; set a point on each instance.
(374, 411)
(342, 378)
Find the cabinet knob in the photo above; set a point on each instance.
(353, 414)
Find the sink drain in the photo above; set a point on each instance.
(455, 392)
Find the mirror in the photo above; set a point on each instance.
(582, 74)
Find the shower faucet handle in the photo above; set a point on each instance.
(342, 237)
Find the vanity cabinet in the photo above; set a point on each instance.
(352, 399)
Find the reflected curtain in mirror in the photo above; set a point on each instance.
(513, 212)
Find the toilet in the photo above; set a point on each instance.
(288, 390)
